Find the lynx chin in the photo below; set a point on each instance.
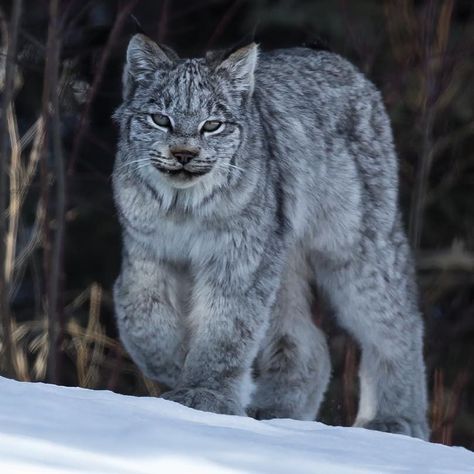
(241, 179)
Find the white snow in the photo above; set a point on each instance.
(51, 429)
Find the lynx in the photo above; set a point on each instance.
(242, 179)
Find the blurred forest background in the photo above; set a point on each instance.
(60, 74)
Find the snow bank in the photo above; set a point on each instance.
(51, 429)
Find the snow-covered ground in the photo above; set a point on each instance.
(51, 429)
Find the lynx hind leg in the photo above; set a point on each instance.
(293, 367)
(375, 300)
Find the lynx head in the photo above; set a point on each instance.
(183, 120)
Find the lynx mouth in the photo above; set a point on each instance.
(181, 175)
(185, 173)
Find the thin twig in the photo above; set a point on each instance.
(432, 75)
(4, 145)
(427, 120)
(163, 23)
(120, 19)
(454, 405)
(226, 18)
(52, 79)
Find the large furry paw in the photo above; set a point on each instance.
(205, 400)
(403, 426)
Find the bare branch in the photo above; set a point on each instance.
(4, 146)
(51, 102)
(112, 39)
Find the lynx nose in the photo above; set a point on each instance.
(183, 156)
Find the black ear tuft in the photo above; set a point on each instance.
(138, 26)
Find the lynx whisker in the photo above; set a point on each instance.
(128, 163)
(228, 165)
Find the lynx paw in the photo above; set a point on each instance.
(205, 400)
(403, 426)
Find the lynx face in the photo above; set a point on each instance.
(185, 118)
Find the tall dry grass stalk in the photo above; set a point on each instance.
(349, 383)
(87, 348)
(90, 348)
(446, 404)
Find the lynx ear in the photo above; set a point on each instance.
(144, 57)
(239, 66)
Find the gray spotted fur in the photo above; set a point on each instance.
(213, 298)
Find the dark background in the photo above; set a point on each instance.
(55, 294)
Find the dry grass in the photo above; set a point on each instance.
(98, 360)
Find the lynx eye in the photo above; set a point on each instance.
(211, 126)
(161, 120)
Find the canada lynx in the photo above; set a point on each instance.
(240, 178)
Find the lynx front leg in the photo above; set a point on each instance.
(147, 312)
(375, 300)
(227, 322)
